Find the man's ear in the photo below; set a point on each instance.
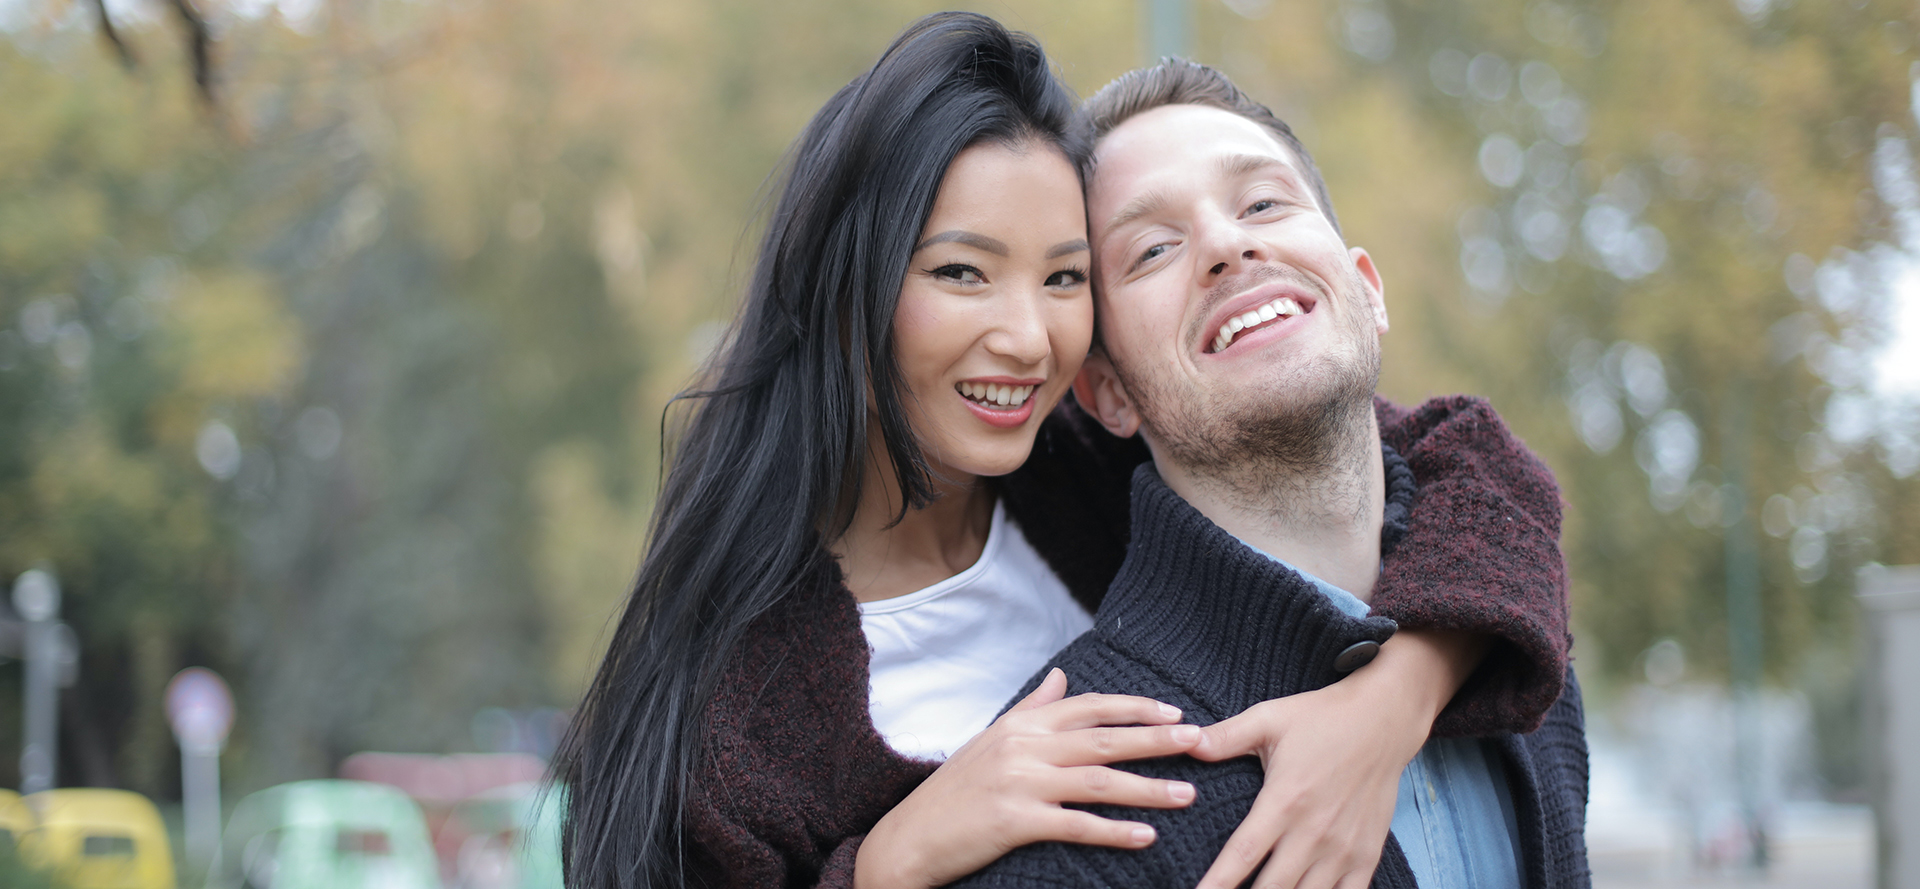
(1101, 394)
(1376, 292)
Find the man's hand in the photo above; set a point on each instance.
(1333, 759)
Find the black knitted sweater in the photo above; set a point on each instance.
(1199, 620)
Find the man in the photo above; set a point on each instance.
(1239, 337)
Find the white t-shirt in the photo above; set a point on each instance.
(946, 658)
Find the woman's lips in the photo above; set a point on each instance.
(1005, 418)
(999, 401)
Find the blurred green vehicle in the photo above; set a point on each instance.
(511, 838)
(326, 834)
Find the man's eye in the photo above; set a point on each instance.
(1261, 206)
(1152, 252)
(1067, 278)
(963, 274)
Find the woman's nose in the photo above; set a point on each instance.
(1020, 332)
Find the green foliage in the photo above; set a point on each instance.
(1661, 237)
(352, 390)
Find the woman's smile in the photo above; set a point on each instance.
(1000, 401)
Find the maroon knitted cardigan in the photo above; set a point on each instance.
(795, 773)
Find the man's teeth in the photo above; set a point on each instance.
(1280, 308)
(996, 394)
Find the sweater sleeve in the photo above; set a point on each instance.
(793, 773)
(1481, 554)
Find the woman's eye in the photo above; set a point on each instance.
(963, 274)
(1067, 278)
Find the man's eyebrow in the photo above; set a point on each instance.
(1063, 248)
(976, 241)
(1145, 205)
(1233, 166)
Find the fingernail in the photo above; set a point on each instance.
(1169, 711)
(1142, 834)
(1181, 791)
(1186, 734)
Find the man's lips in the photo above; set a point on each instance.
(1257, 309)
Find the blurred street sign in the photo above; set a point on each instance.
(201, 710)
(36, 596)
(65, 654)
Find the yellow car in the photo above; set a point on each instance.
(98, 839)
(15, 819)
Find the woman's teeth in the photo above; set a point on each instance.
(1283, 307)
(996, 395)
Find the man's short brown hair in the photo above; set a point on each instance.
(1179, 82)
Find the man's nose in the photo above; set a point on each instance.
(1226, 247)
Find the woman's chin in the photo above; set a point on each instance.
(971, 448)
(984, 459)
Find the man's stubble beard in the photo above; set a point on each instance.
(1272, 444)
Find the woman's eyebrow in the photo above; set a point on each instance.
(1077, 245)
(976, 241)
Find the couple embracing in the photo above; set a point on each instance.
(1038, 526)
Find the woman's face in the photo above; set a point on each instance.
(995, 315)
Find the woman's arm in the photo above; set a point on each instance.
(1477, 584)
(1004, 788)
(796, 788)
(1481, 555)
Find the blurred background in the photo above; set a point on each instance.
(335, 335)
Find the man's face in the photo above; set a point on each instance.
(1229, 307)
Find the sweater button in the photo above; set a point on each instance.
(1357, 655)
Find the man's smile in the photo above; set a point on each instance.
(1264, 307)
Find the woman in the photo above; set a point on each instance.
(919, 306)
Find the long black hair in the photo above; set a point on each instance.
(768, 468)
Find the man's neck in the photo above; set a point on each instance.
(1321, 516)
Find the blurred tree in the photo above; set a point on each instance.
(1663, 238)
(112, 381)
(354, 392)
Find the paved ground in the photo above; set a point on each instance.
(1634, 842)
(1662, 810)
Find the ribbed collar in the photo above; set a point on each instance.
(1226, 623)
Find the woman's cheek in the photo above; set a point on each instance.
(1074, 335)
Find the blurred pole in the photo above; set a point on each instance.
(1890, 606)
(1166, 29)
(36, 597)
(1743, 621)
(200, 708)
(200, 803)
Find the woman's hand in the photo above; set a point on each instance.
(1333, 759)
(1004, 788)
